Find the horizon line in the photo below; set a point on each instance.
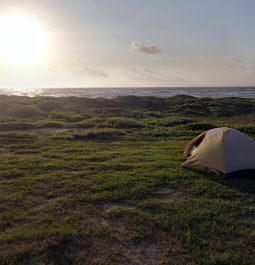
(123, 87)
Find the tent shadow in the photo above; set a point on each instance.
(241, 181)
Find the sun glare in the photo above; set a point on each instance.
(22, 40)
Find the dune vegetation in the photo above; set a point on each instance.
(98, 181)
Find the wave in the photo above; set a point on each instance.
(214, 92)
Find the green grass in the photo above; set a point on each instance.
(113, 192)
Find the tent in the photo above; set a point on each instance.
(223, 150)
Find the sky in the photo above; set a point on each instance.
(134, 43)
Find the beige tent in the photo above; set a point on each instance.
(222, 150)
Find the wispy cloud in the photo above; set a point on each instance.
(232, 61)
(94, 71)
(146, 74)
(140, 47)
(136, 73)
(52, 69)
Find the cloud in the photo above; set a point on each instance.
(231, 57)
(148, 75)
(52, 69)
(140, 47)
(232, 61)
(94, 71)
(149, 71)
(129, 69)
(136, 73)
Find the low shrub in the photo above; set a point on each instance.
(50, 124)
(9, 119)
(87, 124)
(24, 112)
(123, 123)
(193, 109)
(106, 134)
(230, 107)
(65, 116)
(249, 129)
(200, 126)
(51, 105)
(12, 126)
(172, 123)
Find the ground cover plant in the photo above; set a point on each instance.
(96, 181)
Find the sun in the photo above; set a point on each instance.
(23, 41)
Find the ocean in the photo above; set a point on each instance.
(214, 92)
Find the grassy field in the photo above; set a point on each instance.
(99, 181)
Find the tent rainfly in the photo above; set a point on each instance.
(223, 150)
